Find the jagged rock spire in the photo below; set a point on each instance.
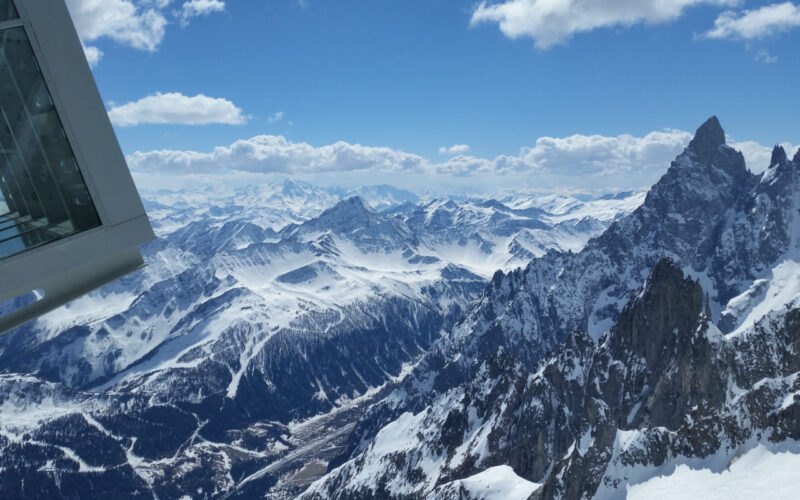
(778, 156)
(708, 139)
(667, 305)
(700, 185)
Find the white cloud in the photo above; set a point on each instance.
(757, 23)
(765, 57)
(120, 20)
(458, 149)
(176, 108)
(276, 154)
(601, 155)
(278, 116)
(93, 55)
(578, 162)
(578, 155)
(194, 8)
(551, 22)
(140, 24)
(757, 155)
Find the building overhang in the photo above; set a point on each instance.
(71, 218)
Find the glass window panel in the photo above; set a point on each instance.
(43, 196)
(7, 10)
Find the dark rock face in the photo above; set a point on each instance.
(778, 156)
(758, 236)
(653, 388)
(667, 313)
(698, 214)
(657, 353)
(656, 366)
(708, 139)
(657, 383)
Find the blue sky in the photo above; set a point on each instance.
(418, 77)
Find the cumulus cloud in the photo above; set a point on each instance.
(757, 155)
(93, 55)
(120, 20)
(140, 24)
(577, 161)
(551, 22)
(756, 23)
(457, 149)
(194, 8)
(578, 155)
(276, 154)
(599, 155)
(176, 108)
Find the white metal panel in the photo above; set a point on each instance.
(72, 266)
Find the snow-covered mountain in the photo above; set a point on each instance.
(487, 235)
(268, 318)
(380, 197)
(583, 380)
(528, 347)
(269, 206)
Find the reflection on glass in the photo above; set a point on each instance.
(7, 10)
(43, 196)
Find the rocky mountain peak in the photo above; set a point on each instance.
(295, 189)
(664, 310)
(708, 139)
(797, 158)
(347, 216)
(355, 202)
(684, 208)
(665, 272)
(654, 387)
(709, 161)
(778, 156)
(666, 343)
(354, 209)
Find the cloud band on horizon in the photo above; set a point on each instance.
(625, 160)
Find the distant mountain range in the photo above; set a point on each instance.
(267, 319)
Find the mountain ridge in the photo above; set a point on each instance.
(696, 215)
(241, 356)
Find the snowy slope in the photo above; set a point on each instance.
(596, 419)
(266, 320)
(753, 474)
(486, 235)
(495, 483)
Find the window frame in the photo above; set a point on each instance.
(70, 267)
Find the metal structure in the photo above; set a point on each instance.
(71, 219)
